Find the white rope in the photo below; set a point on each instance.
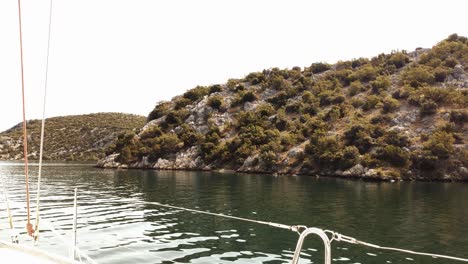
(335, 236)
(41, 148)
(352, 240)
(292, 228)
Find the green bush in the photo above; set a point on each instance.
(356, 102)
(440, 74)
(319, 67)
(189, 136)
(398, 59)
(418, 76)
(355, 63)
(243, 97)
(365, 73)
(196, 93)
(176, 117)
(278, 82)
(344, 76)
(159, 110)
(381, 83)
(395, 138)
(358, 136)
(269, 158)
(255, 78)
(351, 157)
(151, 132)
(402, 93)
(215, 102)
(390, 105)
(440, 144)
(355, 88)
(381, 119)
(232, 84)
(293, 107)
(428, 107)
(371, 102)
(264, 110)
(248, 97)
(424, 160)
(459, 116)
(279, 99)
(181, 102)
(215, 88)
(393, 155)
(333, 114)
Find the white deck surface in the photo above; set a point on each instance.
(18, 254)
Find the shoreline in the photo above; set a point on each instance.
(317, 175)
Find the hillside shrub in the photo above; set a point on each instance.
(390, 105)
(196, 93)
(440, 74)
(395, 138)
(319, 67)
(424, 160)
(269, 158)
(355, 63)
(181, 102)
(355, 88)
(440, 144)
(278, 82)
(381, 83)
(215, 88)
(398, 59)
(428, 107)
(356, 102)
(371, 102)
(459, 116)
(248, 97)
(394, 155)
(255, 78)
(279, 99)
(358, 136)
(365, 73)
(159, 110)
(418, 76)
(215, 102)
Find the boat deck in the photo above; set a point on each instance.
(25, 254)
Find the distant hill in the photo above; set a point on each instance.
(394, 116)
(77, 137)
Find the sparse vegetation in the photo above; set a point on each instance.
(323, 118)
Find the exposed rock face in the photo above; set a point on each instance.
(458, 78)
(109, 162)
(189, 159)
(357, 170)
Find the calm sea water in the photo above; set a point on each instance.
(115, 226)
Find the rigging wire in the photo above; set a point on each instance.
(29, 226)
(339, 237)
(41, 148)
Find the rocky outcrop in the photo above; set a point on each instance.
(367, 118)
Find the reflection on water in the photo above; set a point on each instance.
(116, 227)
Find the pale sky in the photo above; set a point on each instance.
(126, 55)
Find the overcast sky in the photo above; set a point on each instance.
(126, 55)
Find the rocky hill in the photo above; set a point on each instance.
(395, 116)
(79, 137)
